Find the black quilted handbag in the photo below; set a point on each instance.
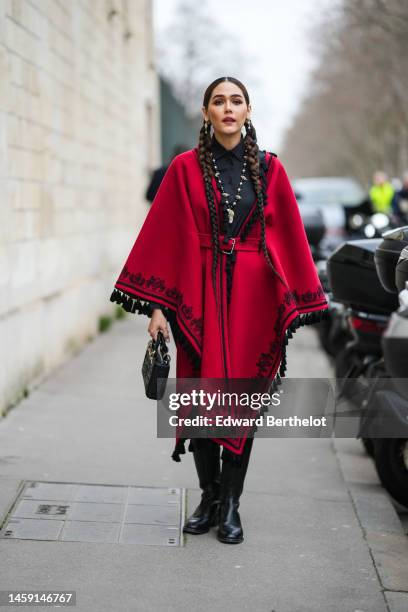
(156, 365)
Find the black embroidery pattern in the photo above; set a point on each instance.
(134, 304)
(267, 360)
(157, 285)
(309, 296)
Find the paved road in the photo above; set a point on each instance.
(306, 544)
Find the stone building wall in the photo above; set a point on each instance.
(79, 132)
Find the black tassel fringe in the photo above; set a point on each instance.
(308, 318)
(136, 305)
(139, 306)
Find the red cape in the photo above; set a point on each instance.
(171, 264)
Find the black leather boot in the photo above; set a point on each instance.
(207, 461)
(232, 484)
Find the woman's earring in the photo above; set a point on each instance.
(248, 124)
(206, 126)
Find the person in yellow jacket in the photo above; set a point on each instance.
(381, 193)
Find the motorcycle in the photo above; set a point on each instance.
(367, 306)
(363, 276)
(390, 406)
(335, 332)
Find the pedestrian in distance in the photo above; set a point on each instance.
(400, 201)
(381, 193)
(223, 258)
(158, 175)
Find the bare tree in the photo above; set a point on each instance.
(194, 50)
(355, 116)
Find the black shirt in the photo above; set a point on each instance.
(229, 163)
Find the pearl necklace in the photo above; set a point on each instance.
(230, 205)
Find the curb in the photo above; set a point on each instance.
(379, 521)
(9, 490)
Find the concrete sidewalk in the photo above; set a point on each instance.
(306, 546)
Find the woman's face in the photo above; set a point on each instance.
(227, 109)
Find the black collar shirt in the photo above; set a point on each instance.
(230, 163)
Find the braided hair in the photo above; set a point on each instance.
(204, 155)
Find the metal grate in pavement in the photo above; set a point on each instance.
(76, 512)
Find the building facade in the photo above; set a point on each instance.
(79, 135)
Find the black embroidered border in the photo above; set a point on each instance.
(311, 299)
(299, 321)
(135, 304)
(172, 295)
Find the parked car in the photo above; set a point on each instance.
(336, 197)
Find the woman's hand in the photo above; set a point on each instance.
(158, 322)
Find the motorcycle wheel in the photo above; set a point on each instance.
(391, 462)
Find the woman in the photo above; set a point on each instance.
(223, 257)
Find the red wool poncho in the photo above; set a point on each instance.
(171, 264)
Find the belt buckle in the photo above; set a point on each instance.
(232, 248)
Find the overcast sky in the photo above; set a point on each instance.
(276, 34)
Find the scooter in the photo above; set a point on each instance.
(337, 329)
(361, 277)
(364, 369)
(385, 421)
(353, 278)
(367, 307)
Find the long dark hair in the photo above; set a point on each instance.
(204, 155)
